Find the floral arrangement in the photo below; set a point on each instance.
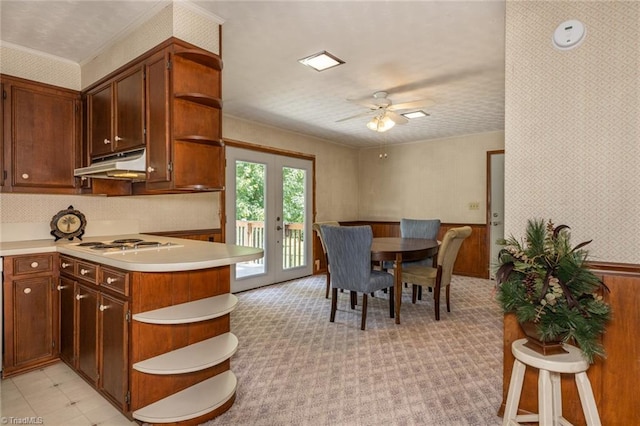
(545, 281)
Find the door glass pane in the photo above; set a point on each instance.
(250, 213)
(293, 210)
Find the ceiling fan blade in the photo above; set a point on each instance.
(362, 114)
(365, 103)
(397, 118)
(417, 104)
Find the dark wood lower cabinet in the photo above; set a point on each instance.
(87, 329)
(66, 294)
(30, 313)
(113, 337)
(94, 325)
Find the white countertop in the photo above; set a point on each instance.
(192, 255)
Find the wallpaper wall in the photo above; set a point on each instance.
(429, 179)
(36, 66)
(572, 128)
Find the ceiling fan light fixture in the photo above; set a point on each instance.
(415, 114)
(321, 61)
(381, 124)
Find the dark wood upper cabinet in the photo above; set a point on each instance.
(183, 86)
(116, 114)
(41, 137)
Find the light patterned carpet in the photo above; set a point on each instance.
(294, 367)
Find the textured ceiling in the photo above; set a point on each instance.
(449, 52)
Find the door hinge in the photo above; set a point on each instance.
(144, 131)
(168, 64)
(53, 343)
(4, 94)
(127, 398)
(127, 316)
(170, 166)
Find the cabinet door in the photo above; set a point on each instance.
(158, 136)
(100, 118)
(44, 137)
(129, 111)
(87, 330)
(66, 295)
(33, 323)
(114, 337)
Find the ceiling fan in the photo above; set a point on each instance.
(384, 111)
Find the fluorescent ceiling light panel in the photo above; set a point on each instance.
(321, 61)
(415, 114)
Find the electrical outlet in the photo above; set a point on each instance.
(474, 205)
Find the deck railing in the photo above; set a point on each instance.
(251, 234)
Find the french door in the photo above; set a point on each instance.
(268, 203)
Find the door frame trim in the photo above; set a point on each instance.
(488, 204)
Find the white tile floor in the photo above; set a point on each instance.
(55, 396)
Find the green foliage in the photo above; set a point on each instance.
(250, 192)
(545, 280)
(250, 200)
(293, 196)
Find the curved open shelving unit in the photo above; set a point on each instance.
(195, 357)
(190, 403)
(201, 99)
(208, 60)
(184, 313)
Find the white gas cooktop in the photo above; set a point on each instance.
(124, 245)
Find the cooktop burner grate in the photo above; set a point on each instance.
(127, 240)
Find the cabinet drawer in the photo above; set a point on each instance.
(23, 265)
(115, 280)
(87, 272)
(67, 265)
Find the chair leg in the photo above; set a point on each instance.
(448, 305)
(391, 302)
(436, 301)
(328, 285)
(334, 304)
(414, 292)
(420, 293)
(354, 299)
(364, 311)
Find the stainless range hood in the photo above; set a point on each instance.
(125, 166)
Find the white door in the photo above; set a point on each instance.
(496, 205)
(268, 203)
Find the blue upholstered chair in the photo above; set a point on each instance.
(417, 228)
(440, 275)
(349, 252)
(316, 227)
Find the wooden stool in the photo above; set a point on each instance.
(549, 394)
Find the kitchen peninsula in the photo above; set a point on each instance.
(147, 325)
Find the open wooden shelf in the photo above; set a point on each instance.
(185, 313)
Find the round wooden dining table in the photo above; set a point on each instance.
(401, 250)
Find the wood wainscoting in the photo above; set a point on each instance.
(473, 258)
(614, 379)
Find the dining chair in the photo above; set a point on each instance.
(349, 253)
(419, 228)
(439, 275)
(318, 230)
(416, 228)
